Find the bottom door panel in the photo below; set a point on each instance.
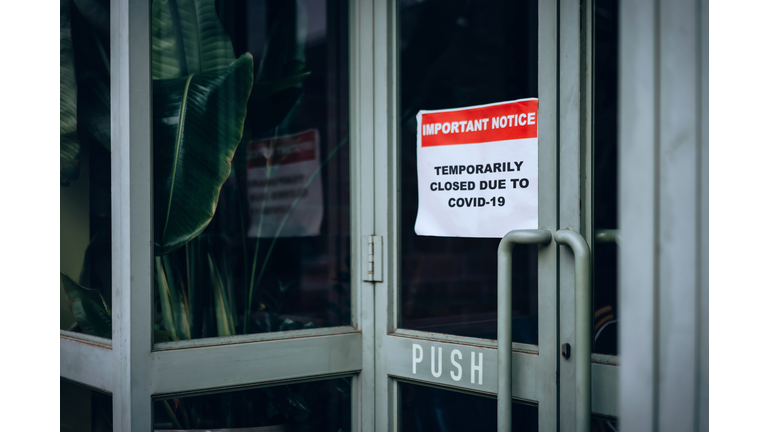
(323, 406)
(425, 408)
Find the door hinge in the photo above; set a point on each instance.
(372, 258)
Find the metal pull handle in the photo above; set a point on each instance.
(582, 346)
(504, 353)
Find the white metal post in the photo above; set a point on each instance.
(362, 158)
(131, 97)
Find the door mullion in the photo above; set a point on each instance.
(362, 204)
(547, 387)
(572, 183)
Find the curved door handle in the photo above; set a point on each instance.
(582, 349)
(504, 337)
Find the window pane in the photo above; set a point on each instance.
(311, 406)
(437, 410)
(606, 178)
(251, 167)
(604, 424)
(85, 197)
(82, 409)
(457, 54)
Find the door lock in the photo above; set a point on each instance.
(565, 350)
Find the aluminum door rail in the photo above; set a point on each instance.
(504, 395)
(582, 347)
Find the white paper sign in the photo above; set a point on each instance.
(478, 170)
(282, 200)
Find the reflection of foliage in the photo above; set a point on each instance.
(70, 146)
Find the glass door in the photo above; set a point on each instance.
(471, 333)
(235, 158)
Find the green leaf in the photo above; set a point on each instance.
(264, 89)
(179, 299)
(300, 409)
(70, 146)
(91, 38)
(161, 282)
(225, 325)
(187, 38)
(88, 307)
(198, 123)
(95, 117)
(96, 12)
(162, 335)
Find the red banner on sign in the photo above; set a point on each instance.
(489, 123)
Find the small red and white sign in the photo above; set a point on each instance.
(284, 199)
(478, 170)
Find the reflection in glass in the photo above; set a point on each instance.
(606, 178)
(83, 409)
(437, 410)
(455, 54)
(311, 406)
(251, 167)
(85, 248)
(604, 424)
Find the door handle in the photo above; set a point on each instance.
(504, 322)
(582, 346)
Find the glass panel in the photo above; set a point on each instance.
(251, 115)
(437, 410)
(85, 197)
(454, 55)
(604, 424)
(311, 406)
(82, 409)
(606, 178)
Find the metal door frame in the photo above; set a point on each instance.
(565, 182)
(136, 371)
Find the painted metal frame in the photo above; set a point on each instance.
(136, 371)
(582, 346)
(392, 343)
(663, 215)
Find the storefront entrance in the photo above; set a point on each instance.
(362, 324)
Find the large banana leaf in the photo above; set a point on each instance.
(187, 38)
(198, 123)
(70, 146)
(88, 307)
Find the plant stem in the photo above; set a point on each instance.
(172, 415)
(249, 304)
(243, 232)
(165, 298)
(184, 415)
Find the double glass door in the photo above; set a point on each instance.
(485, 333)
(265, 270)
